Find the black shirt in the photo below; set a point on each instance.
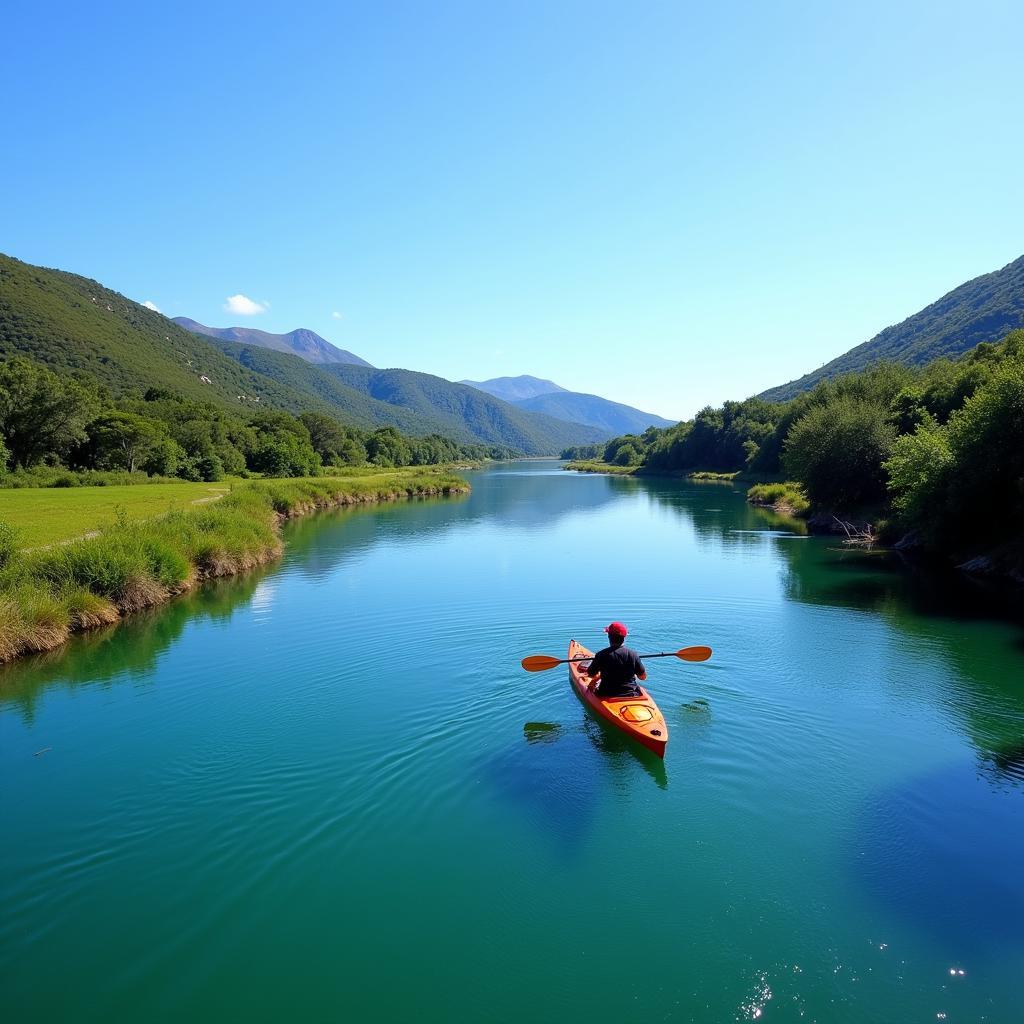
(618, 666)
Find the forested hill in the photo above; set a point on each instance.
(490, 419)
(71, 323)
(303, 343)
(984, 309)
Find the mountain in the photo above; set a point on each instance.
(489, 418)
(985, 309)
(415, 403)
(514, 389)
(535, 395)
(612, 418)
(71, 323)
(302, 342)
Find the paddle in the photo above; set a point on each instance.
(542, 662)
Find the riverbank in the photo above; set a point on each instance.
(616, 470)
(48, 595)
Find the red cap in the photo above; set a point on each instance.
(617, 628)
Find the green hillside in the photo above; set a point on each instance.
(489, 419)
(300, 376)
(71, 323)
(985, 309)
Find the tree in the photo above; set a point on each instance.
(326, 435)
(164, 457)
(284, 454)
(121, 440)
(628, 455)
(272, 422)
(836, 452)
(986, 439)
(919, 471)
(40, 413)
(387, 447)
(210, 467)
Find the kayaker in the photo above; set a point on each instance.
(618, 665)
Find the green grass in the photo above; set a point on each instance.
(785, 497)
(48, 515)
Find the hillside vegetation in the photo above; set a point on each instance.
(982, 310)
(65, 430)
(72, 324)
(458, 407)
(68, 323)
(937, 450)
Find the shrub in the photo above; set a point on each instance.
(210, 468)
(836, 453)
(786, 494)
(918, 471)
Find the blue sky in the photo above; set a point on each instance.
(668, 204)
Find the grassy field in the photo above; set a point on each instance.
(49, 515)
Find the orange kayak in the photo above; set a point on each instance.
(637, 717)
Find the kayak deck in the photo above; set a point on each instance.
(638, 717)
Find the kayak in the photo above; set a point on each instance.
(638, 717)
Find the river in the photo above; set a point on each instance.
(326, 791)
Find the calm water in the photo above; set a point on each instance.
(328, 792)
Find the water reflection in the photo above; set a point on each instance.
(1005, 766)
(622, 753)
(128, 650)
(989, 690)
(554, 784)
(541, 732)
(318, 545)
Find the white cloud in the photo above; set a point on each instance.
(244, 306)
(336, 315)
(149, 304)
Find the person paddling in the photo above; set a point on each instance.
(618, 665)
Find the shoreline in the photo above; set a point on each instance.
(48, 596)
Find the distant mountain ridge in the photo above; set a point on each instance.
(544, 396)
(514, 389)
(984, 309)
(304, 343)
